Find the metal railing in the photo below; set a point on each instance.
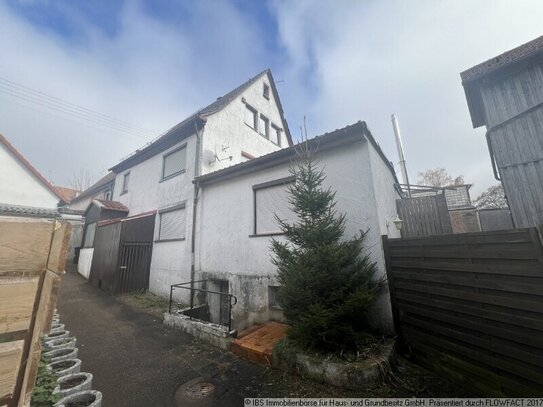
(232, 299)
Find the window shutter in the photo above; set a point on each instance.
(174, 163)
(172, 225)
(270, 201)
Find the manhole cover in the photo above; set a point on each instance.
(199, 391)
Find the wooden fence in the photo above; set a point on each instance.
(424, 216)
(32, 257)
(470, 306)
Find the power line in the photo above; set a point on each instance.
(19, 91)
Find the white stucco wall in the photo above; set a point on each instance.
(170, 262)
(18, 186)
(228, 128)
(225, 250)
(85, 262)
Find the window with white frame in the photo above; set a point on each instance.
(90, 231)
(264, 126)
(174, 162)
(172, 222)
(126, 180)
(266, 91)
(270, 199)
(275, 136)
(251, 117)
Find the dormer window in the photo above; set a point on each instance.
(266, 92)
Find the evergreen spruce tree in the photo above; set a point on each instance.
(326, 283)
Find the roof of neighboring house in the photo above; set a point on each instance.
(67, 194)
(29, 166)
(197, 121)
(98, 186)
(524, 54)
(110, 205)
(27, 211)
(348, 134)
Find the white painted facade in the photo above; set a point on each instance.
(19, 186)
(171, 260)
(227, 251)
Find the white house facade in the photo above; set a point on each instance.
(243, 124)
(21, 185)
(236, 218)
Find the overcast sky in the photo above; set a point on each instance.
(151, 64)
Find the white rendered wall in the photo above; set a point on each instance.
(170, 262)
(228, 128)
(225, 250)
(85, 261)
(18, 186)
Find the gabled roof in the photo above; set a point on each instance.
(98, 186)
(67, 194)
(349, 134)
(196, 122)
(524, 54)
(19, 157)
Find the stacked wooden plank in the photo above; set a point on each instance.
(470, 306)
(257, 342)
(32, 258)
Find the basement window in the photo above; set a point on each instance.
(273, 302)
(172, 222)
(174, 163)
(251, 117)
(270, 199)
(266, 91)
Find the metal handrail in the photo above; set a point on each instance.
(182, 285)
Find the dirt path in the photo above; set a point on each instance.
(137, 361)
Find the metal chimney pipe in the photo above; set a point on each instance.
(399, 146)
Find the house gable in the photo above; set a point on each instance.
(250, 125)
(21, 183)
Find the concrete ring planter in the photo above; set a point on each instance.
(65, 367)
(87, 398)
(73, 383)
(56, 327)
(61, 343)
(57, 335)
(361, 374)
(61, 354)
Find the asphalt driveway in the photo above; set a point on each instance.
(137, 361)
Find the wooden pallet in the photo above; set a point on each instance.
(256, 343)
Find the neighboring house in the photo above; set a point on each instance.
(236, 219)
(245, 123)
(67, 194)
(102, 189)
(505, 94)
(23, 190)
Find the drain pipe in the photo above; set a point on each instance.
(194, 209)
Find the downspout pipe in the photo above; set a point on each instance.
(196, 192)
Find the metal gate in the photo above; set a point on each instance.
(135, 262)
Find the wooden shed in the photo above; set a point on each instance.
(505, 94)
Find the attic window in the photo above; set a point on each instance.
(251, 117)
(126, 179)
(275, 136)
(264, 126)
(266, 92)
